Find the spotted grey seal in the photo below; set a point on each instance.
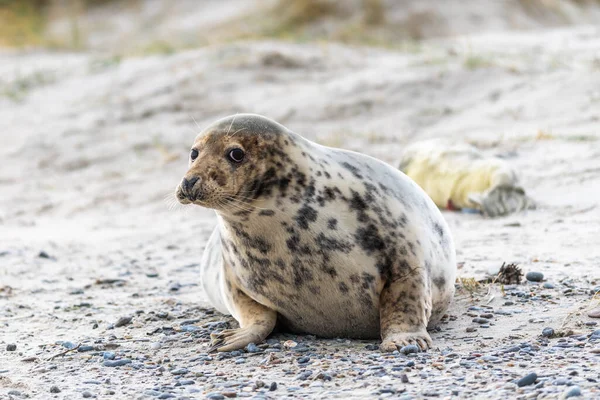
(320, 240)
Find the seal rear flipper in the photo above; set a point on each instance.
(502, 200)
(404, 309)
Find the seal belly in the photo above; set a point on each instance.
(211, 268)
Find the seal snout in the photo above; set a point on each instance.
(190, 188)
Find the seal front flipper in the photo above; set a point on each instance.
(404, 310)
(256, 323)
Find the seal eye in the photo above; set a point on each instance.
(193, 154)
(236, 155)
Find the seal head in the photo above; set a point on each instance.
(234, 162)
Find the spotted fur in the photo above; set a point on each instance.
(329, 242)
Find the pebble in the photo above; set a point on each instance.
(481, 320)
(304, 375)
(215, 396)
(123, 321)
(166, 396)
(411, 348)
(83, 349)
(87, 395)
(43, 254)
(534, 276)
(303, 360)
(252, 348)
(155, 346)
(573, 391)
(68, 345)
(273, 387)
(117, 363)
(595, 313)
(11, 347)
(527, 380)
(471, 329)
(54, 389)
(548, 332)
(179, 371)
(548, 285)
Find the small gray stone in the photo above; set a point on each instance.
(534, 276)
(11, 347)
(215, 396)
(573, 391)
(527, 380)
(117, 363)
(87, 395)
(123, 321)
(179, 371)
(54, 389)
(411, 348)
(273, 387)
(548, 285)
(252, 348)
(548, 332)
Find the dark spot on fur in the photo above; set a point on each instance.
(267, 213)
(293, 243)
(355, 171)
(440, 282)
(438, 229)
(369, 239)
(306, 215)
(343, 287)
(332, 223)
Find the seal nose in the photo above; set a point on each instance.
(188, 184)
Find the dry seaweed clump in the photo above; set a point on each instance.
(509, 274)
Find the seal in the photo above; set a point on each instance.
(314, 239)
(457, 176)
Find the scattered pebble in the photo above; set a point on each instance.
(527, 380)
(595, 313)
(123, 321)
(273, 387)
(11, 347)
(411, 348)
(54, 389)
(252, 348)
(534, 276)
(179, 371)
(117, 363)
(43, 254)
(573, 391)
(215, 396)
(548, 332)
(548, 285)
(87, 395)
